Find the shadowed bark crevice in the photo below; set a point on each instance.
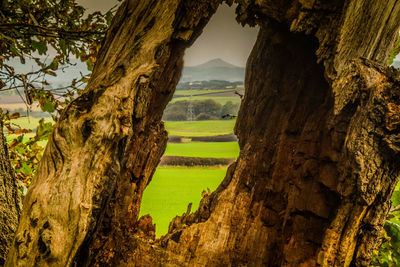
(318, 130)
(10, 200)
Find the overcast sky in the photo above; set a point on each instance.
(222, 38)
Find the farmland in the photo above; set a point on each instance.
(199, 128)
(29, 122)
(203, 149)
(196, 92)
(220, 99)
(173, 187)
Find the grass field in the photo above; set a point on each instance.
(200, 128)
(181, 128)
(173, 188)
(202, 149)
(29, 123)
(199, 92)
(219, 99)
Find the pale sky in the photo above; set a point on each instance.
(222, 38)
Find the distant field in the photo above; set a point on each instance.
(219, 99)
(181, 128)
(173, 188)
(9, 99)
(204, 150)
(29, 123)
(11, 107)
(200, 128)
(199, 92)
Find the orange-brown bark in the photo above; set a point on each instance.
(318, 130)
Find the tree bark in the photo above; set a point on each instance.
(318, 130)
(108, 142)
(10, 201)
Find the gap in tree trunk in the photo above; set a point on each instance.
(200, 121)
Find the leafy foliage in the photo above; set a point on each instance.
(45, 33)
(35, 29)
(205, 117)
(388, 254)
(213, 84)
(24, 153)
(395, 52)
(206, 109)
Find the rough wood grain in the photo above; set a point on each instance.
(108, 142)
(10, 201)
(318, 130)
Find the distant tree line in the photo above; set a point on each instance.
(213, 84)
(32, 113)
(207, 109)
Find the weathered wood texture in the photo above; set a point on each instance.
(10, 201)
(319, 158)
(318, 129)
(108, 142)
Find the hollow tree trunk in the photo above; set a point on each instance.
(10, 202)
(108, 142)
(318, 129)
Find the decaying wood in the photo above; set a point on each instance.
(10, 201)
(108, 142)
(318, 129)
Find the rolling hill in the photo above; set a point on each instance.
(216, 69)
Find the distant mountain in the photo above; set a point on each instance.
(396, 64)
(216, 69)
(217, 63)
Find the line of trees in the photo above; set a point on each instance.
(207, 109)
(213, 84)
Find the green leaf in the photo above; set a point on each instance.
(63, 46)
(109, 17)
(33, 19)
(395, 52)
(14, 50)
(54, 64)
(52, 73)
(26, 169)
(48, 106)
(40, 47)
(20, 149)
(396, 198)
(44, 129)
(90, 64)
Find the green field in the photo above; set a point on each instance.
(29, 123)
(202, 149)
(199, 92)
(219, 99)
(181, 128)
(173, 188)
(26, 123)
(200, 128)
